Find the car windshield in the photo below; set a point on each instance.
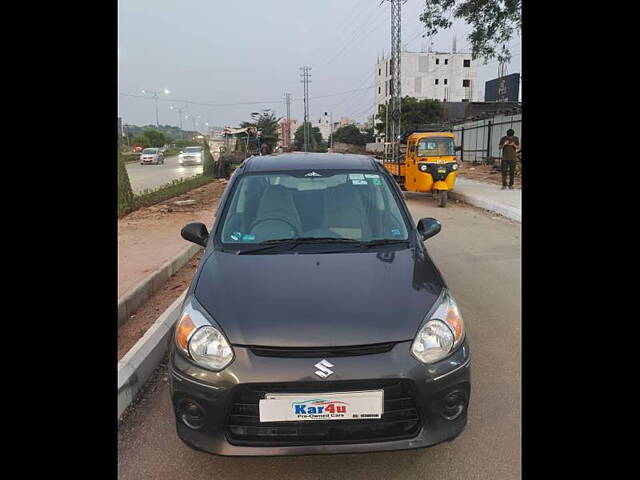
(358, 206)
(435, 147)
(192, 150)
(150, 150)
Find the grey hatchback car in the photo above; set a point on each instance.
(316, 321)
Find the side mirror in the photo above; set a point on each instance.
(458, 148)
(195, 232)
(428, 227)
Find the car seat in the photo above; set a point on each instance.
(345, 213)
(276, 216)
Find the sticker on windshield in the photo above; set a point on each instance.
(236, 236)
(359, 182)
(356, 176)
(376, 181)
(247, 237)
(371, 175)
(396, 232)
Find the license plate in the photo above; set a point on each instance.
(442, 170)
(290, 407)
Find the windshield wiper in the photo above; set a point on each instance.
(269, 244)
(383, 241)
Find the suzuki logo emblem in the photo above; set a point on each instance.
(323, 370)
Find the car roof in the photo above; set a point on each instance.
(309, 161)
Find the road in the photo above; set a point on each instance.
(479, 256)
(152, 176)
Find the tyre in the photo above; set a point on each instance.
(442, 200)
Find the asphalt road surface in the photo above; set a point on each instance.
(479, 256)
(153, 176)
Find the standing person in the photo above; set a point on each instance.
(264, 148)
(510, 146)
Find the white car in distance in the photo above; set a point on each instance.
(151, 155)
(191, 156)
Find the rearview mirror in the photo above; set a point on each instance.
(428, 227)
(195, 232)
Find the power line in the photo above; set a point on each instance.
(261, 102)
(346, 21)
(203, 103)
(358, 32)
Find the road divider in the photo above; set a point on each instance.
(135, 368)
(134, 298)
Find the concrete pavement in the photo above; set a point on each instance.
(489, 196)
(479, 256)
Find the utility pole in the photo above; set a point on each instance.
(307, 129)
(331, 120)
(502, 83)
(287, 100)
(396, 96)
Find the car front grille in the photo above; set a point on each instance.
(400, 419)
(315, 352)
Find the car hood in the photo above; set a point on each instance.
(318, 300)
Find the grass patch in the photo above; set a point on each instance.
(172, 189)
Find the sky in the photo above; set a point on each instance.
(243, 56)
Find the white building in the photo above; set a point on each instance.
(451, 77)
(324, 124)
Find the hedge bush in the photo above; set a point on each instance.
(125, 193)
(131, 157)
(208, 165)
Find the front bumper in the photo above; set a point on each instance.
(190, 162)
(215, 393)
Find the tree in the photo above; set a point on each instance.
(494, 23)
(415, 114)
(267, 124)
(315, 139)
(155, 137)
(349, 134)
(140, 140)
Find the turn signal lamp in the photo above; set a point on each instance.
(184, 330)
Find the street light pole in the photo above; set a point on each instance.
(180, 110)
(156, 95)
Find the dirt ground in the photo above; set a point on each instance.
(136, 326)
(484, 173)
(150, 236)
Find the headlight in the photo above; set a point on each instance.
(423, 168)
(455, 166)
(441, 334)
(200, 341)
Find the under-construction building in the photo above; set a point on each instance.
(444, 76)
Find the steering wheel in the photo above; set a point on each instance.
(276, 219)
